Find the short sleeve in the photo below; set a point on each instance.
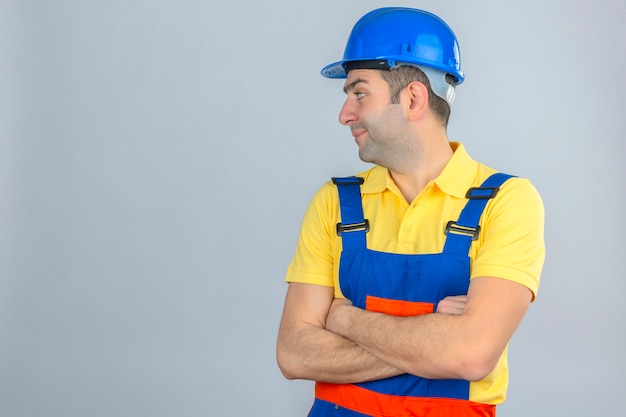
(313, 261)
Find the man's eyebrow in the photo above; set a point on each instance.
(353, 84)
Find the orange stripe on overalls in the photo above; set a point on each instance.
(375, 404)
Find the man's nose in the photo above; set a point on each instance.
(347, 115)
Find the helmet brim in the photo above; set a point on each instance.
(338, 69)
(334, 70)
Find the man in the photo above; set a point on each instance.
(409, 279)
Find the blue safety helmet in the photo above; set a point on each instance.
(392, 36)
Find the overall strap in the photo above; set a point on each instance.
(353, 226)
(461, 233)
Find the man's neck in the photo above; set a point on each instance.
(430, 164)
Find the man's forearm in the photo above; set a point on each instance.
(416, 345)
(460, 346)
(317, 354)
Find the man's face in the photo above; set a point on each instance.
(380, 128)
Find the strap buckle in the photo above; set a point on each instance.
(482, 193)
(455, 228)
(348, 181)
(353, 227)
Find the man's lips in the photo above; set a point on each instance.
(358, 133)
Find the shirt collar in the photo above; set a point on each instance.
(377, 180)
(458, 175)
(455, 179)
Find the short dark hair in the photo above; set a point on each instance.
(400, 77)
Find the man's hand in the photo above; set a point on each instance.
(454, 304)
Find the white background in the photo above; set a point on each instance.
(156, 158)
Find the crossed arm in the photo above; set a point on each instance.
(330, 340)
(307, 350)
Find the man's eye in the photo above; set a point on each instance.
(359, 94)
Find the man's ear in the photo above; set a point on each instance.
(417, 94)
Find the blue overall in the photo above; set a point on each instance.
(403, 285)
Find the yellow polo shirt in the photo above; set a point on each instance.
(510, 244)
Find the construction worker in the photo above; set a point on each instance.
(410, 278)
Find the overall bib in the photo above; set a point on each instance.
(403, 285)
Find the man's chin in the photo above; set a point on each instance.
(366, 157)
